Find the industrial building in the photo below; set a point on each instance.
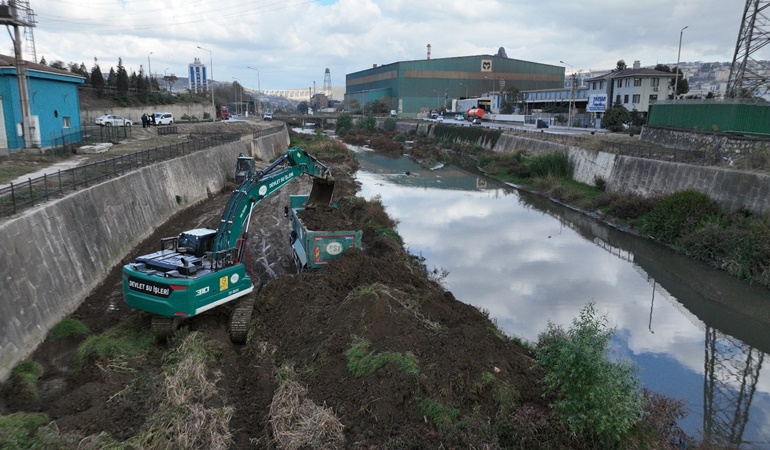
(416, 87)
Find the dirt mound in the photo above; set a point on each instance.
(316, 318)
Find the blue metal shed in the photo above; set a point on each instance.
(53, 100)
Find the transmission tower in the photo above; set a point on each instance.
(748, 75)
(327, 83)
(730, 381)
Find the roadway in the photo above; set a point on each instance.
(555, 129)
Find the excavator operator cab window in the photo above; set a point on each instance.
(196, 244)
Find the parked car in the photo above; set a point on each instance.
(163, 118)
(108, 120)
(459, 117)
(267, 116)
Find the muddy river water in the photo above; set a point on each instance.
(529, 261)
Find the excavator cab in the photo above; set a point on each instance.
(322, 192)
(244, 168)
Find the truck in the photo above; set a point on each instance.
(313, 249)
(474, 113)
(224, 112)
(201, 269)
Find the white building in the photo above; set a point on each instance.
(635, 89)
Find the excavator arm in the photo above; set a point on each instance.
(257, 186)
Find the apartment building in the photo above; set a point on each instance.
(634, 88)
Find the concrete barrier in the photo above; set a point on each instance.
(56, 254)
(732, 189)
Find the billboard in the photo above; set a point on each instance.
(597, 103)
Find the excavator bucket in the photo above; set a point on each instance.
(322, 192)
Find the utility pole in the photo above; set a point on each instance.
(211, 72)
(676, 78)
(19, 15)
(572, 95)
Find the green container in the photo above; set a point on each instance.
(313, 249)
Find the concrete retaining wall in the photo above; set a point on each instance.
(134, 113)
(55, 255)
(732, 189)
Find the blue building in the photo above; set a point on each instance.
(53, 102)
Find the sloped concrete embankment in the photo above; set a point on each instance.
(732, 189)
(58, 253)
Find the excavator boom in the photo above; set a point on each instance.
(202, 268)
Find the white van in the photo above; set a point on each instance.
(163, 118)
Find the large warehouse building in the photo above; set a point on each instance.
(414, 87)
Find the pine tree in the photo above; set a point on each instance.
(112, 78)
(97, 78)
(122, 79)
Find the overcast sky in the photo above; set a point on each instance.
(292, 42)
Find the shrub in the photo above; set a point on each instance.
(20, 431)
(631, 206)
(24, 378)
(677, 214)
(556, 164)
(115, 345)
(598, 399)
(67, 328)
(368, 123)
(600, 183)
(344, 123)
(389, 124)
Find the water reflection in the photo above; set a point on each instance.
(529, 261)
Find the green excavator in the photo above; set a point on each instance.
(203, 268)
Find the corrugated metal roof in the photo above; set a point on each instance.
(10, 61)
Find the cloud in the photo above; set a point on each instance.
(292, 42)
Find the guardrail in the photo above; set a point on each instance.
(16, 197)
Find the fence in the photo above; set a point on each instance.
(17, 197)
(268, 131)
(62, 142)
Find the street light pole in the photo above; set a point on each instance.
(149, 68)
(259, 90)
(572, 95)
(211, 72)
(678, 54)
(239, 97)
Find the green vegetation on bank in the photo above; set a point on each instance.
(114, 347)
(598, 399)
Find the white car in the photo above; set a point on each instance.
(108, 120)
(267, 116)
(459, 117)
(163, 118)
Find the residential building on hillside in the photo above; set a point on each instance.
(53, 104)
(634, 88)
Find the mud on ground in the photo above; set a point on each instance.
(378, 296)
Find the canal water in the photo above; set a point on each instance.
(530, 261)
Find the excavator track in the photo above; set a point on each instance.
(240, 318)
(164, 327)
